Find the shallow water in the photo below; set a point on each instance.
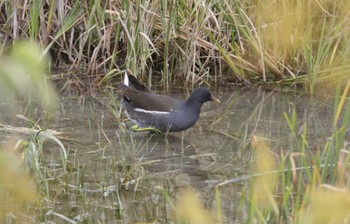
(117, 176)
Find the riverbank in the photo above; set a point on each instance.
(189, 43)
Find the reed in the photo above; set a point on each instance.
(190, 43)
(184, 42)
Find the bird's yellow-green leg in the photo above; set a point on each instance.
(136, 128)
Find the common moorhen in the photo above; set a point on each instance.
(159, 113)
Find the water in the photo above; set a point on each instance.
(117, 176)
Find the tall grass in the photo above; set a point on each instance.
(300, 184)
(190, 42)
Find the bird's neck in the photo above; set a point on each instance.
(193, 103)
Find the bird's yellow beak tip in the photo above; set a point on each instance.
(215, 100)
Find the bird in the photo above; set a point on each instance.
(160, 113)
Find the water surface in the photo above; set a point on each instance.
(117, 176)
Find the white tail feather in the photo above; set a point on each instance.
(126, 79)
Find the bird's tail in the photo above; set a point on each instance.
(126, 78)
(131, 81)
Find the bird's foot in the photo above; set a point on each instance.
(136, 128)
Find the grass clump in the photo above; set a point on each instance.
(268, 41)
(300, 184)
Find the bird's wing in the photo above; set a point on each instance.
(149, 101)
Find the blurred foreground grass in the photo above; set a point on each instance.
(24, 78)
(18, 193)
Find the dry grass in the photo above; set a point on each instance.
(190, 42)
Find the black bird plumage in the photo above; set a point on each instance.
(163, 113)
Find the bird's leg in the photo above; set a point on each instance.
(136, 128)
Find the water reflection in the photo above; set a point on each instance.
(102, 153)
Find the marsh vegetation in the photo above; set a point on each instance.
(274, 151)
